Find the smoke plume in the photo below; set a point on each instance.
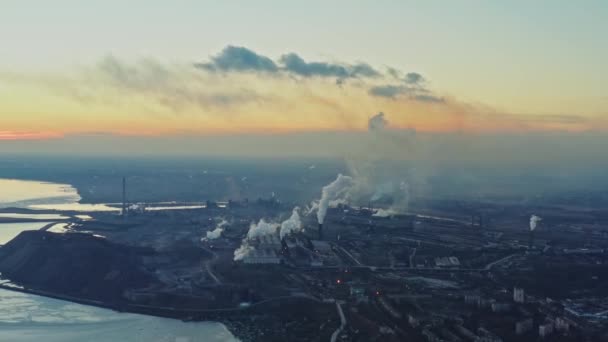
(292, 224)
(534, 222)
(244, 250)
(335, 190)
(262, 228)
(217, 232)
(384, 213)
(377, 122)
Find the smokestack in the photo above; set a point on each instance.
(320, 231)
(531, 239)
(124, 196)
(534, 220)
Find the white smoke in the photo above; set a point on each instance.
(534, 222)
(137, 208)
(244, 250)
(401, 201)
(383, 190)
(309, 209)
(262, 228)
(397, 195)
(335, 190)
(217, 232)
(384, 213)
(292, 224)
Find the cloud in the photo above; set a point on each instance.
(392, 91)
(240, 59)
(295, 64)
(169, 86)
(413, 78)
(387, 90)
(428, 98)
(412, 86)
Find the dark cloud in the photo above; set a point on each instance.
(412, 93)
(365, 70)
(241, 59)
(394, 73)
(411, 85)
(429, 98)
(388, 90)
(413, 78)
(295, 64)
(237, 58)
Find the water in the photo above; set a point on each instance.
(9, 230)
(44, 195)
(34, 216)
(28, 318)
(61, 197)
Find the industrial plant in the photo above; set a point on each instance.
(332, 270)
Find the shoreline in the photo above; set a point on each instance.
(233, 319)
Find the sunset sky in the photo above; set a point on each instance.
(209, 68)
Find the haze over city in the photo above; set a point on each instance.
(303, 171)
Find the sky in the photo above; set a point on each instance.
(200, 69)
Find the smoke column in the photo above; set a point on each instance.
(332, 192)
(292, 224)
(384, 213)
(534, 221)
(217, 232)
(243, 251)
(377, 122)
(262, 228)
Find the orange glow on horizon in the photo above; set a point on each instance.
(11, 135)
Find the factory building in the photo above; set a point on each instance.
(518, 295)
(546, 329)
(524, 326)
(262, 256)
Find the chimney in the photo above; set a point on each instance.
(320, 231)
(124, 196)
(531, 239)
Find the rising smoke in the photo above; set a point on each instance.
(262, 228)
(265, 228)
(292, 224)
(377, 122)
(372, 180)
(384, 213)
(244, 250)
(217, 232)
(375, 177)
(534, 222)
(334, 191)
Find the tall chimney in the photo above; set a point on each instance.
(320, 231)
(531, 239)
(124, 196)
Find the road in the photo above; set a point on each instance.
(336, 333)
(492, 264)
(349, 255)
(207, 265)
